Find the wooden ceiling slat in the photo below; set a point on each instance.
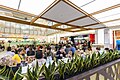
(106, 9)
(27, 23)
(75, 26)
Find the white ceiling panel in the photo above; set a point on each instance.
(62, 12)
(112, 23)
(96, 26)
(35, 6)
(81, 3)
(98, 5)
(10, 3)
(84, 21)
(108, 15)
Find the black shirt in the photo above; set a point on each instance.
(58, 55)
(30, 53)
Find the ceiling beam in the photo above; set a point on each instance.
(54, 33)
(28, 23)
(75, 26)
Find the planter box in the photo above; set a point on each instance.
(108, 74)
(106, 70)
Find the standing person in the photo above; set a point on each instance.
(89, 45)
(56, 47)
(9, 52)
(60, 54)
(84, 46)
(73, 49)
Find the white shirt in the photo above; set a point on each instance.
(10, 53)
(40, 62)
(27, 50)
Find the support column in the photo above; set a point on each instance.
(99, 36)
(104, 36)
(108, 38)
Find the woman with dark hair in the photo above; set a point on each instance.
(9, 52)
(30, 55)
(39, 58)
(30, 52)
(61, 53)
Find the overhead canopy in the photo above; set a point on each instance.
(63, 15)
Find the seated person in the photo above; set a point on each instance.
(9, 52)
(39, 58)
(69, 55)
(106, 50)
(30, 55)
(30, 52)
(38, 54)
(23, 53)
(61, 53)
(17, 57)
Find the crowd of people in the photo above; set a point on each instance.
(23, 54)
(31, 53)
